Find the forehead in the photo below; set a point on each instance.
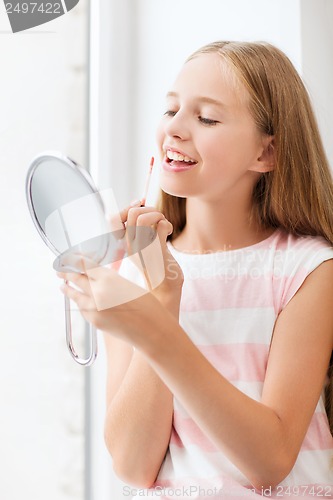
(210, 76)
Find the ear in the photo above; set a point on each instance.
(266, 161)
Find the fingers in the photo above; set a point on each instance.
(80, 280)
(148, 216)
(129, 216)
(117, 220)
(83, 301)
(101, 274)
(135, 215)
(149, 219)
(108, 290)
(116, 223)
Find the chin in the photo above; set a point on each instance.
(180, 193)
(175, 188)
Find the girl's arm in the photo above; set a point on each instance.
(139, 405)
(139, 414)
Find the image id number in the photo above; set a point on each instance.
(31, 7)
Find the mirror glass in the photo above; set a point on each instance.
(66, 207)
(55, 183)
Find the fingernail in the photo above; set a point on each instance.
(135, 203)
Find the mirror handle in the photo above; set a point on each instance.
(92, 334)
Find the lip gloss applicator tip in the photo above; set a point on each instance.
(151, 164)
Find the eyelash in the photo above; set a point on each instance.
(205, 121)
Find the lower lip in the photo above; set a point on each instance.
(177, 166)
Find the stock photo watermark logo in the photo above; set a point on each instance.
(100, 259)
(101, 245)
(24, 15)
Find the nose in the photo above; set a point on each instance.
(177, 126)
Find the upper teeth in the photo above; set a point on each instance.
(172, 155)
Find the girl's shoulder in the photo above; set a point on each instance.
(295, 257)
(300, 249)
(300, 240)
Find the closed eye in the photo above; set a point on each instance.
(207, 121)
(169, 112)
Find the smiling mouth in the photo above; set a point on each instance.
(173, 156)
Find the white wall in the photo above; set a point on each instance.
(317, 63)
(142, 45)
(43, 106)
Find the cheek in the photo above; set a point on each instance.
(214, 150)
(232, 149)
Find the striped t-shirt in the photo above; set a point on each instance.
(229, 305)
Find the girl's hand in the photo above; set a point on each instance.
(111, 303)
(165, 275)
(103, 296)
(138, 227)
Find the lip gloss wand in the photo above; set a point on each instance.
(143, 200)
(143, 204)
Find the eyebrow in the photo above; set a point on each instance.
(203, 99)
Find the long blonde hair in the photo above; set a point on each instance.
(298, 194)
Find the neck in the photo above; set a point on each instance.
(218, 226)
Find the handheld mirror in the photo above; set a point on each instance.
(66, 209)
(69, 213)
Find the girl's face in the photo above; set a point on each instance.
(208, 140)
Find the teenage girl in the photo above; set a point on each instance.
(218, 378)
